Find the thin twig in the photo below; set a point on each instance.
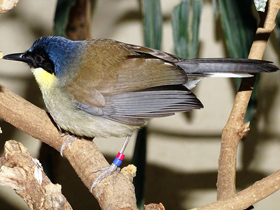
(248, 196)
(235, 127)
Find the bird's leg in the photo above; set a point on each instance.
(114, 166)
(68, 141)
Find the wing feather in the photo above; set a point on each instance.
(145, 104)
(129, 83)
(151, 103)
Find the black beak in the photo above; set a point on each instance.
(16, 57)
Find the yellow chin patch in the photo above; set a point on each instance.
(43, 78)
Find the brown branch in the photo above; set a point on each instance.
(22, 173)
(78, 27)
(154, 206)
(249, 196)
(7, 5)
(117, 190)
(235, 128)
(114, 192)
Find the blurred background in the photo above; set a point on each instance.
(182, 150)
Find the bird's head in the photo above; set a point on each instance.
(50, 56)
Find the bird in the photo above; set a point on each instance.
(103, 87)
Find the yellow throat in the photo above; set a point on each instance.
(43, 78)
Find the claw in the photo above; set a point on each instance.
(62, 134)
(106, 172)
(100, 169)
(68, 141)
(113, 167)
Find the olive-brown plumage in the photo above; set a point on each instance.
(102, 87)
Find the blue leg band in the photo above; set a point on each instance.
(117, 162)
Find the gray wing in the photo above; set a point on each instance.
(133, 107)
(129, 83)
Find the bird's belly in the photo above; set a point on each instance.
(78, 122)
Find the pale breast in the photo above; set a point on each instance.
(71, 119)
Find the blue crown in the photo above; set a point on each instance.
(62, 52)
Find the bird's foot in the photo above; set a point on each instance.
(106, 172)
(68, 141)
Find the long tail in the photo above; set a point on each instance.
(225, 67)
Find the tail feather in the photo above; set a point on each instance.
(225, 67)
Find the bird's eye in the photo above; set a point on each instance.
(39, 59)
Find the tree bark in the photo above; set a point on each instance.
(235, 128)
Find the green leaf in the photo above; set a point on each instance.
(185, 23)
(239, 26)
(152, 23)
(63, 8)
(196, 9)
